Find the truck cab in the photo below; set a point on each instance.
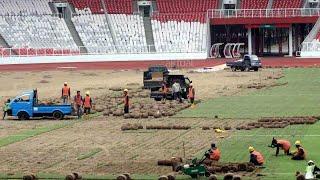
(249, 62)
(25, 106)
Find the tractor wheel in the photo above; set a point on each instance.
(23, 116)
(57, 115)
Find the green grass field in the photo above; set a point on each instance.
(299, 98)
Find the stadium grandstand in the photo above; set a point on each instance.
(177, 28)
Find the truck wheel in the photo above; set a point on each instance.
(57, 115)
(256, 69)
(23, 116)
(157, 99)
(242, 69)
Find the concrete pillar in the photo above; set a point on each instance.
(290, 41)
(249, 41)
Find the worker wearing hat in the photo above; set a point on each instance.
(65, 93)
(312, 171)
(255, 157)
(87, 103)
(126, 101)
(299, 153)
(214, 153)
(281, 144)
(191, 93)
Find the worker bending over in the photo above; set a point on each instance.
(299, 153)
(6, 108)
(214, 153)
(87, 103)
(283, 144)
(78, 101)
(126, 101)
(256, 157)
(65, 94)
(312, 171)
(191, 93)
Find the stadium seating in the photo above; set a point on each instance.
(254, 4)
(287, 4)
(95, 34)
(185, 6)
(4, 52)
(174, 36)
(36, 32)
(24, 7)
(95, 6)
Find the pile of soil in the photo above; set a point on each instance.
(230, 167)
(226, 128)
(141, 106)
(277, 122)
(170, 162)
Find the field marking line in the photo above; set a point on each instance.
(273, 135)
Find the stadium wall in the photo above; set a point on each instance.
(102, 58)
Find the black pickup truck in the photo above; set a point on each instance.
(249, 62)
(158, 75)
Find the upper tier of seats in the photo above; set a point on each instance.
(287, 4)
(186, 6)
(254, 4)
(24, 7)
(186, 17)
(95, 6)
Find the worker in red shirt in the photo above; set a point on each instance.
(126, 101)
(87, 103)
(283, 144)
(214, 153)
(191, 93)
(78, 101)
(65, 93)
(256, 157)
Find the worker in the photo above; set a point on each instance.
(164, 91)
(87, 103)
(176, 88)
(214, 153)
(283, 144)
(126, 101)
(191, 93)
(299, 153)
(256, 157)
(78, 101)
(65, 93)
(6, 108)
(312, 171)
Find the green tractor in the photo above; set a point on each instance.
(195, 168)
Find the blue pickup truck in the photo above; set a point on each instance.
(25, 106)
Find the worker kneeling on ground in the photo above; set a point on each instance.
(87, 103)
(214, 153)
(191, 93)
(312, 171)
(299, 153)
(256, 157)
(126, 101)
(283, 144)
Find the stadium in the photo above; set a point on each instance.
(159, 89)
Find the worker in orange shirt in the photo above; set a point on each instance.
(164, 91)
(256, 157)
(65, 93)
(191, 93)
(126, 101)
(78, 101)
(283, 144)
(87, 103)
(299, 153)
(214, 153)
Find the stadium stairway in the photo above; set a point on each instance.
(4, 44)
(270, 4)
(314, 32)
(74, 33)
(52, 7)
(149, 34)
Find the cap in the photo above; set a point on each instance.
(125, 90)
(65, 83)
(251, 149)
(297, 143)
(87, 93)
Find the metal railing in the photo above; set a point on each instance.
(263, 13)
(107, 50)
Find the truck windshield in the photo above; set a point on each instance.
(254, 58)
(24, 98)
(157, 69)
